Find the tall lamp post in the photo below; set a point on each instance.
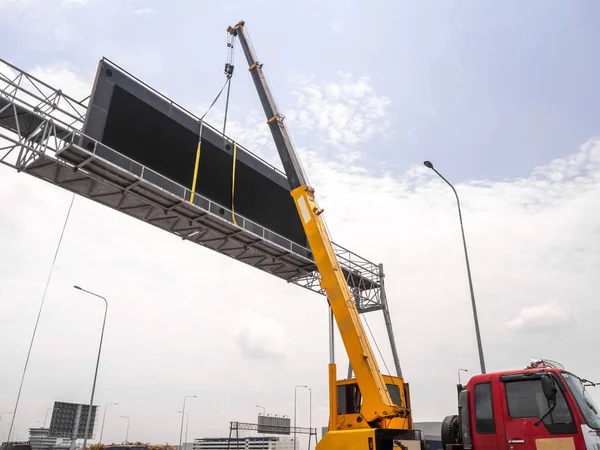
(310, 416)
(264, 414)
(104, 420)
(459, 371)
(46, 417)
(126, 432)
(2, 413)
(89, 415)
(310, 410)
(183, 410)
(429, 165)
(187, 422)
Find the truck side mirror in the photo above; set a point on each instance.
(548, 388)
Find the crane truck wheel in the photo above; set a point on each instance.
(450, 431)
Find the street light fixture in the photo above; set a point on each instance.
(429, 165)
(104, 420)
(459, 371)
(183, 409)
(127, 432)
(89, 415)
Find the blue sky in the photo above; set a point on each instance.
(483, 89)
(501, 96)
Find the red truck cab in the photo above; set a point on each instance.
(542, 407)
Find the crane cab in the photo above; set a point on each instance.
(349, 401)
(352, 432)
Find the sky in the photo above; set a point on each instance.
(501, 97)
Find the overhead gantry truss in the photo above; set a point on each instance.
(40, 134)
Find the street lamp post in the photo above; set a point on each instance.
(187, 423)
(309, 416)
(126, 432)
(429, 165)
(104, 420)
(459, 386)
(310, 413)
(89, 415)
(264, 414)
(183, 409)
(46, 417)
(2, 413)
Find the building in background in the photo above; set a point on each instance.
(433, 434)
(245, 443)
(39, 439)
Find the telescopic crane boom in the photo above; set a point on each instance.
(377, 410)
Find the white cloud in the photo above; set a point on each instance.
(12, 6)
(260, 337)
(62, 76)
(145, 12)
(549, 316)
(20, 6)
(344, 112)
(75, 2)
(41, 23)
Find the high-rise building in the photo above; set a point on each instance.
(39, 439)
(245, 443)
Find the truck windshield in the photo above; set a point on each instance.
(586, 402)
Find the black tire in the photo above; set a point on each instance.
(450, 431)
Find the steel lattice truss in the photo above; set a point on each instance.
(236, 426)
(40, 134)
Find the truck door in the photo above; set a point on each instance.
(484, 433)
(524, 403)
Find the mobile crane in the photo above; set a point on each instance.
(366, 417)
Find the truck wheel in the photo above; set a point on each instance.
(450, 431)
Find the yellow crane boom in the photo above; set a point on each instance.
(377, 411)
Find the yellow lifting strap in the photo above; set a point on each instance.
(196, 164)
(233, 182)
